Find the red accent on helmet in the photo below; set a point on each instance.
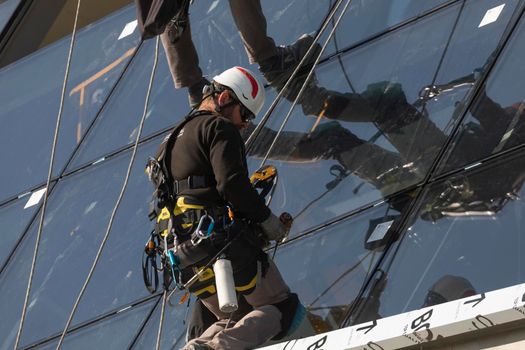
(255, 87)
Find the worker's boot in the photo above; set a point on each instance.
(278, 68)
(195, 93)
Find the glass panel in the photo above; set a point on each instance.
(467, 238)
(30, 93)
(367, 17)
(173, 330)
(7, 7)
(495, 120)
(219, 46)
(119, 120)
(115, 332)
(365, 137)
(328, 268)
(14, 219)
(13, 285)
(76, 219)
(119, 273)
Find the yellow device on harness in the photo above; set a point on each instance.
(264, 181)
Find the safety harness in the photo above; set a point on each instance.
(188, 234)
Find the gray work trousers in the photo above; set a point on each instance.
(257, 326)
(182, 57)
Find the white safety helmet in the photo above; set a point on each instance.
(249, 91)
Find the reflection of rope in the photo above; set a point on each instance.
(340, 60)
(162, 311)
(49, 174)
(429, 265)
(303, 87)
(339, 279)
(328, 307)
(449, 40)
(258, 128)
(313, 201)
(119, 199)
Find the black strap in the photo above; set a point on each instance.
(191, 182)
(164, 156)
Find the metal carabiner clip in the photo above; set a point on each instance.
(201, 232)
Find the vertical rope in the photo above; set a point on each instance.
(310, 74)
(119, 200)
(266, 116)
(49, 175)
(161, 322)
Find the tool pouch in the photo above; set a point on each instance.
(190, 254)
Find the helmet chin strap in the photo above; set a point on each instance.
(218, 107)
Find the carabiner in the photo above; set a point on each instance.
(200, 233)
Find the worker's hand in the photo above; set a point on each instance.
(274, 229)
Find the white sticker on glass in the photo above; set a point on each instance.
(35, 198)
(380, 231)
(491, 15)
(128, 29)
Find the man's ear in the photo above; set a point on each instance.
(223, 98)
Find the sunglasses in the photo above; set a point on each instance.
(246, 114)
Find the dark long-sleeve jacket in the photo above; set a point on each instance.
(211, 146)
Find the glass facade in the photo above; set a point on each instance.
(7, 8)
(465, 226)
(401, 163)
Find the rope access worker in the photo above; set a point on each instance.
(207, 165)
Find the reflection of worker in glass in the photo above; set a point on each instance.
(385, 105)
(448, 288)
(445, 289)
(409, 129)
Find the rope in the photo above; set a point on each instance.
(161, 322)
(310, 74)
(441, 60)
(332, 32)
(340, 278)
(49, 175)
(340, 60)
(266, 116)
(119, 200)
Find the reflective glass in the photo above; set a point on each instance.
(368, 17)
(13, 284)
(219, 46)
(118, 122)
(14, 219)
(76, 218)
(119, 272)
(466, 238)
(495, 120)
(114, 332)
(7, 8)
(328, 268)
(30, 94)
(359, 132)
(173, 330)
